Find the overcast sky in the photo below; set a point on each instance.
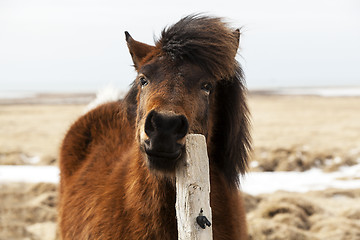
(79, 45)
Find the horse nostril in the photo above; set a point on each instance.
(149, 127)
(163, 124)
(182, 127)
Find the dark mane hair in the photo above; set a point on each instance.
(202, 40)
(231, 140)
(211, 44)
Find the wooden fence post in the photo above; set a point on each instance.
(193, 190)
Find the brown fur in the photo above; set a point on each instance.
(110, 188)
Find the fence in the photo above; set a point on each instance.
(193, 209)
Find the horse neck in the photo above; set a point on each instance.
(148, 191)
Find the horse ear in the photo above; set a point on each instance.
(237, 37)
(138, 50)
(230, 141)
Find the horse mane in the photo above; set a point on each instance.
(203, 40)
(231, 140)
(209, 43)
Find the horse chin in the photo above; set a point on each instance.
(163, 163)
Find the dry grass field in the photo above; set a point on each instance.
(290, 133)
(300, 132)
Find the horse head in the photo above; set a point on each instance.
(178, 85)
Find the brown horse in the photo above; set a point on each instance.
(118, 161)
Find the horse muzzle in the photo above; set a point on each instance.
(165, 144)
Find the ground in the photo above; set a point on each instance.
(290, 133)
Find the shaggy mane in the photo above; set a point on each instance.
(202, 40)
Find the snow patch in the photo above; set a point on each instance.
(30, 159)
(104, 95)
(322, 92)
(315, 179)
(27, 173)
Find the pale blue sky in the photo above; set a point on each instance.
(78, 45)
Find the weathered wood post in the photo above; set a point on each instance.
(193, 190)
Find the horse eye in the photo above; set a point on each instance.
(143, 81)
(207, 87)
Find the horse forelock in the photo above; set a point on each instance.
(204, 41)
